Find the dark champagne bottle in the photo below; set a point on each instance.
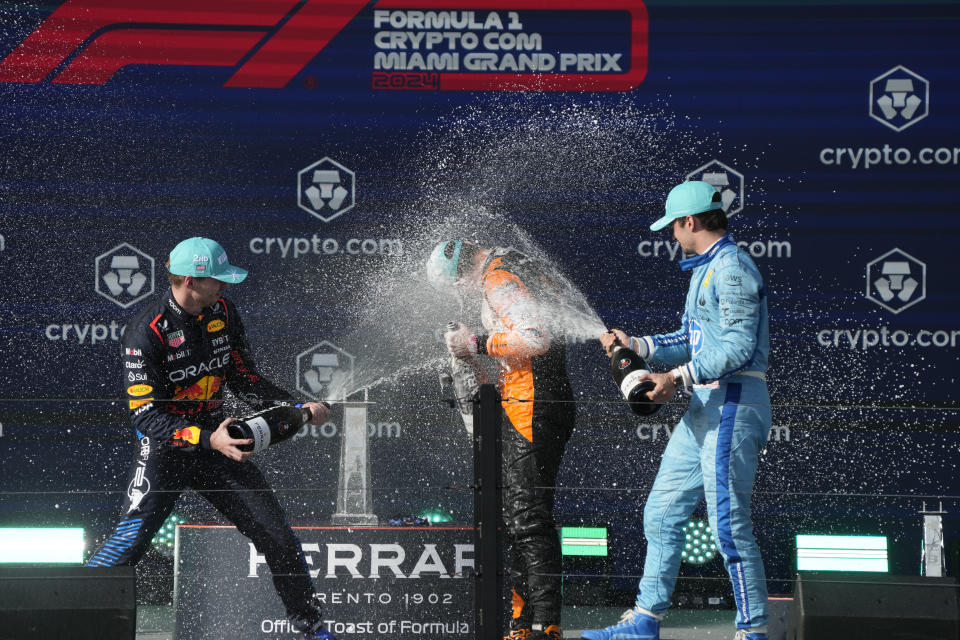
(268, 427)
(626, 367)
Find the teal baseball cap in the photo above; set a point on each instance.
(204, 258)
(689, 199)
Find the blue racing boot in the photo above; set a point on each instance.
(310, 624)
(633, 625)
(748, 634)
(316, 632)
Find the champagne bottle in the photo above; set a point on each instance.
(466, 376)
(626, 367)
(268, 427)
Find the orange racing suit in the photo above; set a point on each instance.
(538, 402)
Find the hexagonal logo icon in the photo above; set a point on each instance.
(728, 181)
(899, 98)
(896, 280)
(124, 275)
(325, 372)
(326, 189)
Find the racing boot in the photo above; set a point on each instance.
(520, 620)
(546, 632)
(751, 634)
(309, 622)
(635, 624)
(314, 631)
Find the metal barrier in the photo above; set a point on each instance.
(487, 514)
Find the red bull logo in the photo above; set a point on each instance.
(189, 435)
(203, 389)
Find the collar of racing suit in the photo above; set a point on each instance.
(182, 314)
(689, 263)
(171, 301)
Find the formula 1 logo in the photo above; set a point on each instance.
(899, 98)
(326, 189)
(325, 372)
(88, 41)
(896, 280)
(124, 275)
(729, 182)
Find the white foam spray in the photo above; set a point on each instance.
(497, 174)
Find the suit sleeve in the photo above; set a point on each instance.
(243, 378)
(670, 349)
(146, 386)
(525, 335)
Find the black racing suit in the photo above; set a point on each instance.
(175, 366)
(538, 402)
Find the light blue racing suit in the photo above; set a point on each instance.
(721, 351)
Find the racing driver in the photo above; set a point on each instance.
(719, 355)
(537, 400)
(177, 355)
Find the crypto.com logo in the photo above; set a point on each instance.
(729, 182)
(324, 372)
(326, 189)
(899, 98)
(124, 275)
(896, 280)
(88, 41)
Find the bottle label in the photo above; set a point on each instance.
(260, 432)
(630, 381)
(467, 375)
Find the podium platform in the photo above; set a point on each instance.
(373, 582)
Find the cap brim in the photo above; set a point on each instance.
(667, 219)
(232, 275)
(661, 223)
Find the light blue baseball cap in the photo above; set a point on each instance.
(204, 258)
(689, 199)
